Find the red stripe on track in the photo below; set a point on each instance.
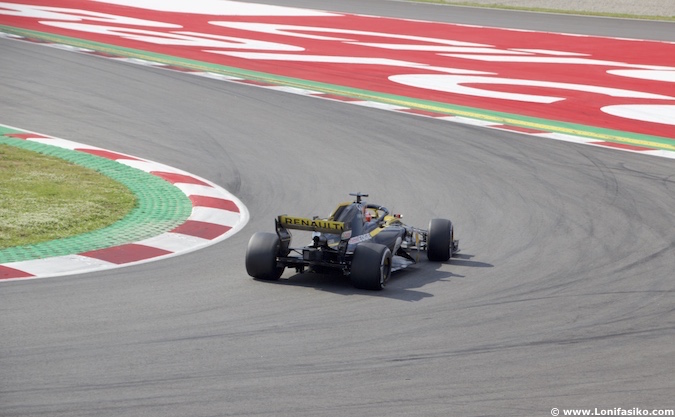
(213, 202)
(25, 136)
(174, 178)
(201, 229)
(107, 154)
(8, 273)
(123, 254)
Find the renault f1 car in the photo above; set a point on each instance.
(360, 240)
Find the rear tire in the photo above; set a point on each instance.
(261, 256)
(371, 266)
(439, 240)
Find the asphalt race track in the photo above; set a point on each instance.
(563, 296)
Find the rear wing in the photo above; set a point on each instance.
(312, 225)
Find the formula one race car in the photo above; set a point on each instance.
(364, 241)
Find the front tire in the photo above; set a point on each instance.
(261, 256)
(371, 266)
(439, 240)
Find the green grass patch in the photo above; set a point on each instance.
(45, 198)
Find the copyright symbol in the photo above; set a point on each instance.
(555, 412)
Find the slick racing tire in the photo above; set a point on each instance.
(439, 240)
(261, 256)
(371, 266)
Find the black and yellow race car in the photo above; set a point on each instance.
(361, 240)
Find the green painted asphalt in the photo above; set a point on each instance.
(160, 206)
(594, 133)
